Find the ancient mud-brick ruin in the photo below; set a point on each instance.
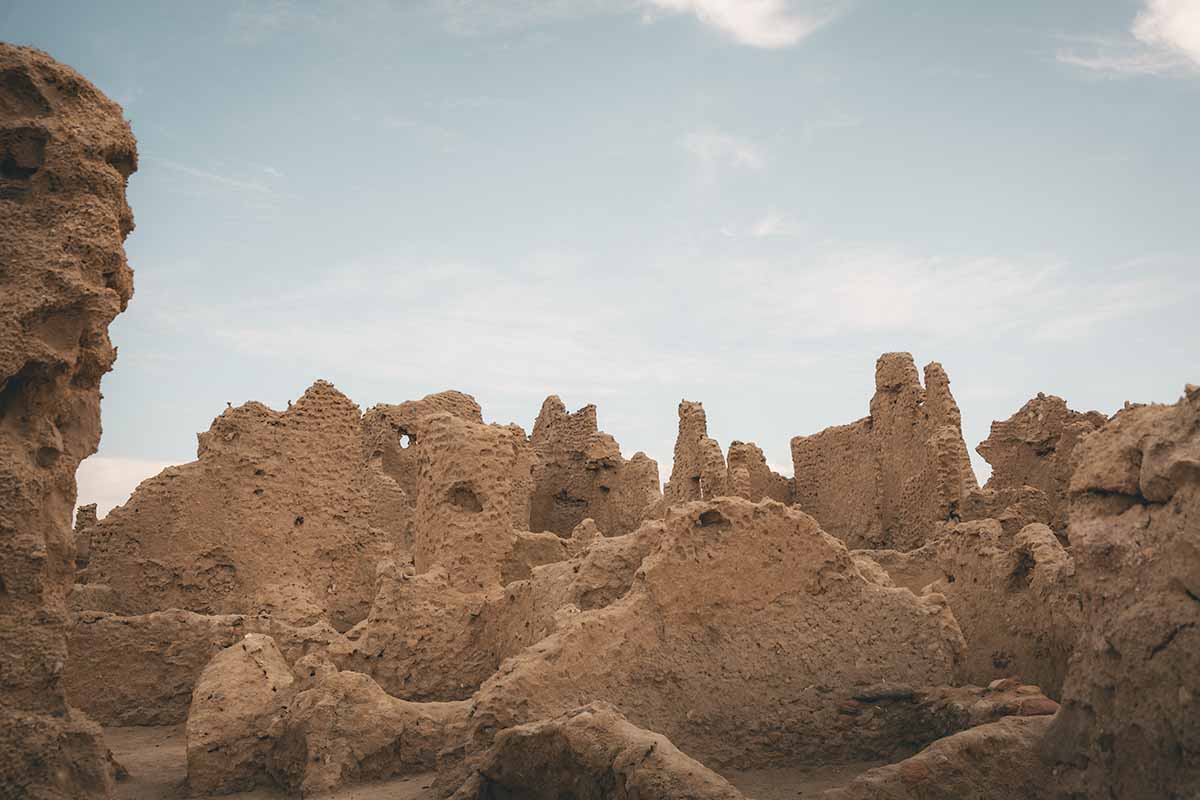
(417, 602)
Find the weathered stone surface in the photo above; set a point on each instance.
(1033, 447)
(580, 473)
(884, 481)
(85, 518)
(531, 550)
(997, 761)
(1128, 724)
(465, 489)
(751, 478)
(66, 152)
(347, 729)
(141, 670)
(274, 498)
(234, 711)
(731, 642)
(590, 753)
(1014, 596)
(698, 471)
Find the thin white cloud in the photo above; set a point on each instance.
(108, 481)
(1164, 40)
(712, 149)
(213, 177)
(758, 23)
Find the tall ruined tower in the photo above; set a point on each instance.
(65, 154)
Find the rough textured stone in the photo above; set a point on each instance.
(751, 478)
(884, 481)
(1033, 447)
(997, 761)
(731, 642)
(347, 729)
(234, 710)
(590, 753)
(698, 471)
(274, 498)
(580, 473)
(66, 152)
(1132, 697)
(85, 518)
(465, 488)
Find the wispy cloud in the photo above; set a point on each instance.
(108, 481)
(713, 149)
(1163, 40)
(759, 23)
(255, 187)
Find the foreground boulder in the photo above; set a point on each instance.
(886, 480)
(346, 729)
(65, 154)
(590, 753)
(235, 707)
(1128, 727)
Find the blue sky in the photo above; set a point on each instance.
(637, 201)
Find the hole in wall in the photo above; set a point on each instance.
(463, 497)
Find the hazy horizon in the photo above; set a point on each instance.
(628, 203)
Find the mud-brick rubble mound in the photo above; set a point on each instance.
(421, 600)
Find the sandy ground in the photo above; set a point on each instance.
(789, 783)
(156, 759)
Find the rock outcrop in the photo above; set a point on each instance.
(886, 480)
(580, 473)
(234, 711)
(66, 152)
(1130, 703)
(590, 753)
(698, 471)
(751, 478)
(1033, 448)
(731, 642)
(274, 498)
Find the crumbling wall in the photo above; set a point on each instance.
(1034, 446)
(698, 471)
(1128, 723)
(732, 641)
(65, 154)
(465, 488)
(274, 498)
(580, 473)
(85, 518)
(751, 478)
(885, 480)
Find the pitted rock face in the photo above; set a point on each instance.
(1128, 723)
(65, 154)
(886, 480)
(1034, 446)
(579, 473)
(751, 478)
(698, 472)
(275, 498)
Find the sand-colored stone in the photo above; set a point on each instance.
(275, 498)
(66, 152)
(751, 478)
(1132, 696)
(590, 753)
(234, 712)
(346, 729)
(886, 480)
(731, 642)
(466, 481)
(579, 473)
(1034, 446)
(997, 761)
(698, 471)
